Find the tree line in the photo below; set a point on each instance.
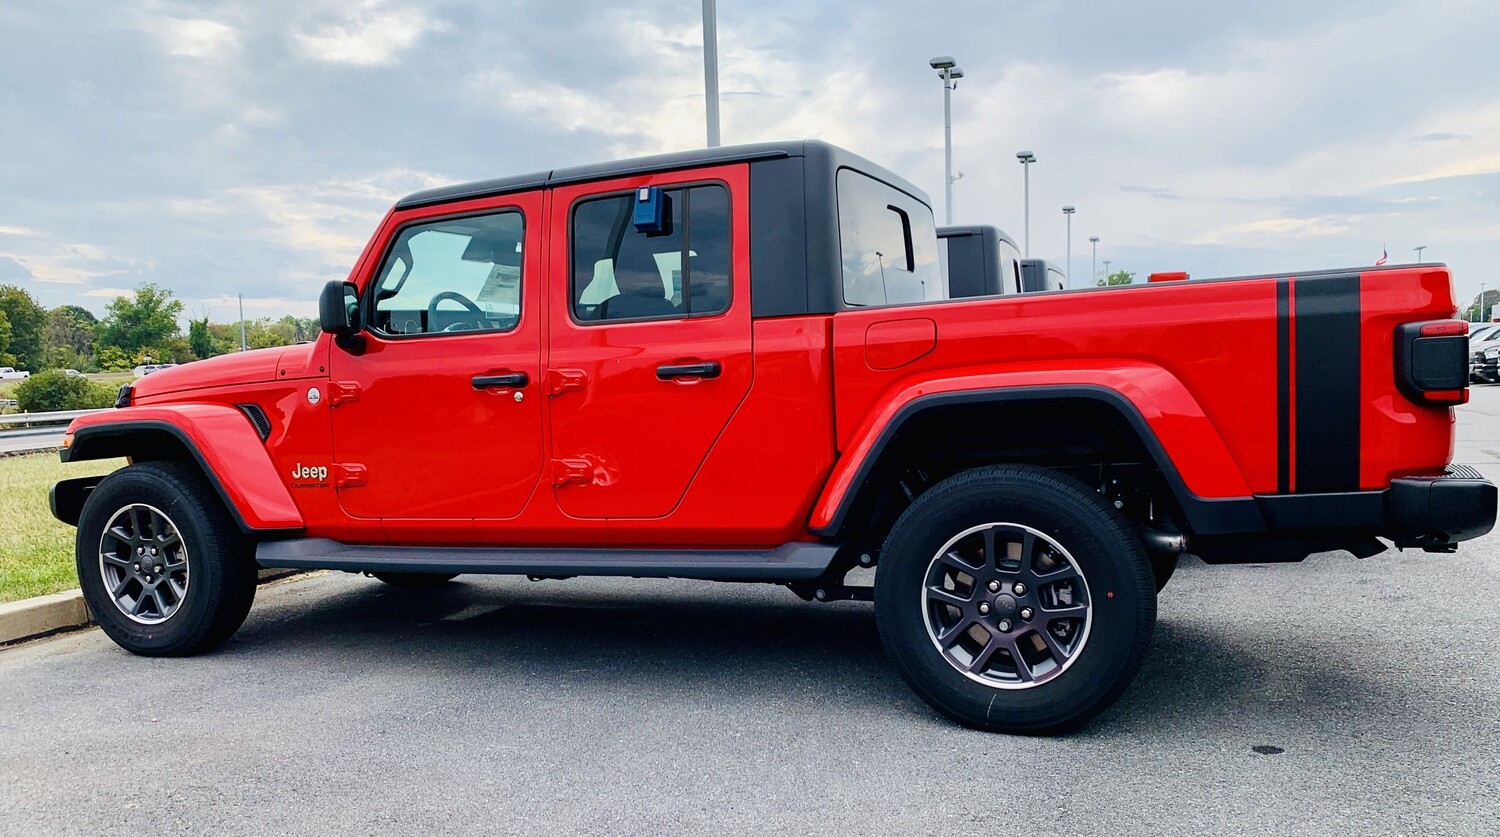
(137, 328)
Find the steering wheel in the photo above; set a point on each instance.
(480, 321)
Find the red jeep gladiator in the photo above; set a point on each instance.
(745, 364)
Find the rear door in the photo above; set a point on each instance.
(649, 344)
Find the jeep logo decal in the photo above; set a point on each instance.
(309, 476)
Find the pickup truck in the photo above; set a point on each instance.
(10, 373)
(744, 364)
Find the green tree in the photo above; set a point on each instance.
(1482, 310)
(1119, 277)
(146, 319)
(200, 339)
(69, 337)
(112, 359)
(27, 321)
(6, 358)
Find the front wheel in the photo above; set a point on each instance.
(162, 567)
(1014, 599)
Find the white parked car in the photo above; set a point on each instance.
(146, 369)
(10, 373)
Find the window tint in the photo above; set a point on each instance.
(888, 244)
(622, 274)
(454, 275)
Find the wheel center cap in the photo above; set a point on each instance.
(1005, 605)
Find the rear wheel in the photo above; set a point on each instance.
(1014, 599)
(162, 567)
(415, 579)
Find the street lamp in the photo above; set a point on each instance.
(1027, 158)
(711, 71)
(1068, 214)
(1094, 262)
(1479, 315)
(949, 72)
(1418, 251)
(1106, 271)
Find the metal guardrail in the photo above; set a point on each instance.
(58, 417)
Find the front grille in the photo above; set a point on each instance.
(258, 418)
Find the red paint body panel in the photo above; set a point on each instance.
(1397, 436)
(645, 438)
(1197, 358)
(230, 448)
(435, 449)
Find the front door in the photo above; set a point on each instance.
(440, 417)
(649, 350)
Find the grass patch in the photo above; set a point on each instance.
(36, 550)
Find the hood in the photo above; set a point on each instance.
(253, 367)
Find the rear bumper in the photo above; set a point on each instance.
(1458, 505)
(1432, 512)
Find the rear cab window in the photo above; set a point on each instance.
(620, 273)
(888, 245)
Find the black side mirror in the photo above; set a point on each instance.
(338, 314)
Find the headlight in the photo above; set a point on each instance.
(1491, 354)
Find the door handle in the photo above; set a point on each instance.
(704, 369)
(512, 380)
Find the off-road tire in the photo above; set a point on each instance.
(1107, 552)
(220, 560)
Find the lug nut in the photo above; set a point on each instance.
(158, 569)
(994, 586)
(137, 567)
(140, 550)
(1004, 625)
(153, 550)
(1019, 588)
(984, 608)
(1026, 613)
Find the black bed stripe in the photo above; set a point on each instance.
(1326, 319)
(1283, 387)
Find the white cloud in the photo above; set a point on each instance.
(196, 38)
(375, 34)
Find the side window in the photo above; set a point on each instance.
(1010, 268)
(453, 275)
(622, 274)
(888, 244)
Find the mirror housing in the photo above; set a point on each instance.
(338, 314)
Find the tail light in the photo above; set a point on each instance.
(1432, 361)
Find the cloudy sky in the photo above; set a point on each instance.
(228, 147)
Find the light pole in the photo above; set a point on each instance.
(242, 323)
(949, 71)
(1418, 251)
(711, 70)
(1094, 262)
(1106, 271)
(1479, 315)
(1068, 214)
(1027, 158)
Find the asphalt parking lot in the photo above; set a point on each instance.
(1332, 696)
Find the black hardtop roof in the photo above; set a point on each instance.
(831, 154)
(975, 229)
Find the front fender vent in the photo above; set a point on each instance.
(258, 418)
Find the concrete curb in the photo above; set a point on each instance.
(43, 615)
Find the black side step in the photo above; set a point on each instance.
(788, 562)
